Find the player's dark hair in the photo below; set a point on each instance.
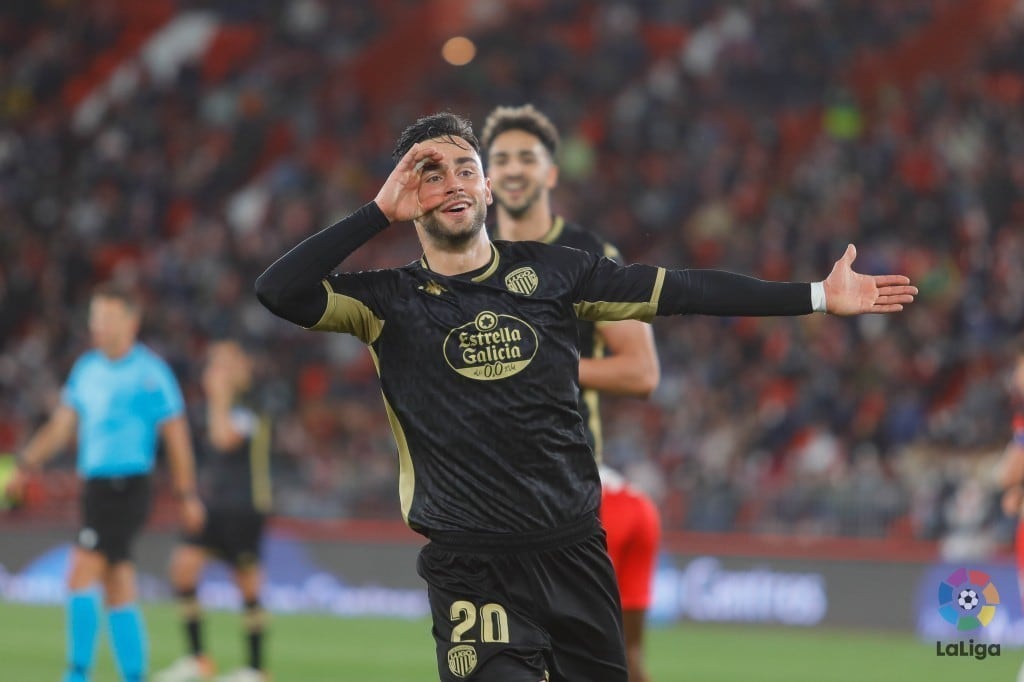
(526, 118)
(119, 292)
(244, 342)
(444, 125)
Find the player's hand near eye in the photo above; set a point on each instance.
(398, 198)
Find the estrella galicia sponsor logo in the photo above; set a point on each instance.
(968, 600)
(492, 346)
(462, 660)
(522, 280)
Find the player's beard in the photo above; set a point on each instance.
(518, 210)
(449, 239)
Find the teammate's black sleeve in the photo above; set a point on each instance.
(717, 292)
(292, 287)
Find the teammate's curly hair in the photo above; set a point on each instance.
(526, 118)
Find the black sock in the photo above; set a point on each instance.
(193, 623)
(195, 636)
(255, 649)
(254, 633)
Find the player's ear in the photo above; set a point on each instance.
(552, 179)
(134, 322)
(488, 197)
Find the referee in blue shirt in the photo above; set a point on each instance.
(119, 398)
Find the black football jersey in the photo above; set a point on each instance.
(479, 375)
(479, 371)
(239, 479)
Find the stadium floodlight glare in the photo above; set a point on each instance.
(458, 51)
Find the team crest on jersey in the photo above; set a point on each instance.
(492, 346)
(462, 660)
(522, 280)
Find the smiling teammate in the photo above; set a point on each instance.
(521, 146)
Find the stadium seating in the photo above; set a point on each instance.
(695, 135)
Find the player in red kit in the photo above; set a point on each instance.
(634, 532)
(1011, 474)
(1012, 469)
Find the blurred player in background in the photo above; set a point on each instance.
(1011, 469)
(8, 469)
(236, 489)
(521, 148)
(477, 352)
(119, 398)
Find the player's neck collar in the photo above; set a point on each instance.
(477, 275)
(557, 225)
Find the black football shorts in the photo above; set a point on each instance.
(114, 510)
(530, 608)
(231, 535)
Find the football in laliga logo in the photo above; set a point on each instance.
(968, 599)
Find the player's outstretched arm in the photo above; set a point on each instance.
(852, 293)
(649, 291)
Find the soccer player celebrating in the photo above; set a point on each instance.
(119, 398)
(236, 490)
(477, 351)
(521, 146)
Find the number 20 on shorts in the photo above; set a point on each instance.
(493, 622)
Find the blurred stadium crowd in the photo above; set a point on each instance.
(746, 135)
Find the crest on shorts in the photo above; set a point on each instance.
(462, 660)
(522, 281)
(88, 538)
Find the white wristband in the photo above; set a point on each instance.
(818, 302)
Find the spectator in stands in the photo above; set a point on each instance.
(154, 192)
